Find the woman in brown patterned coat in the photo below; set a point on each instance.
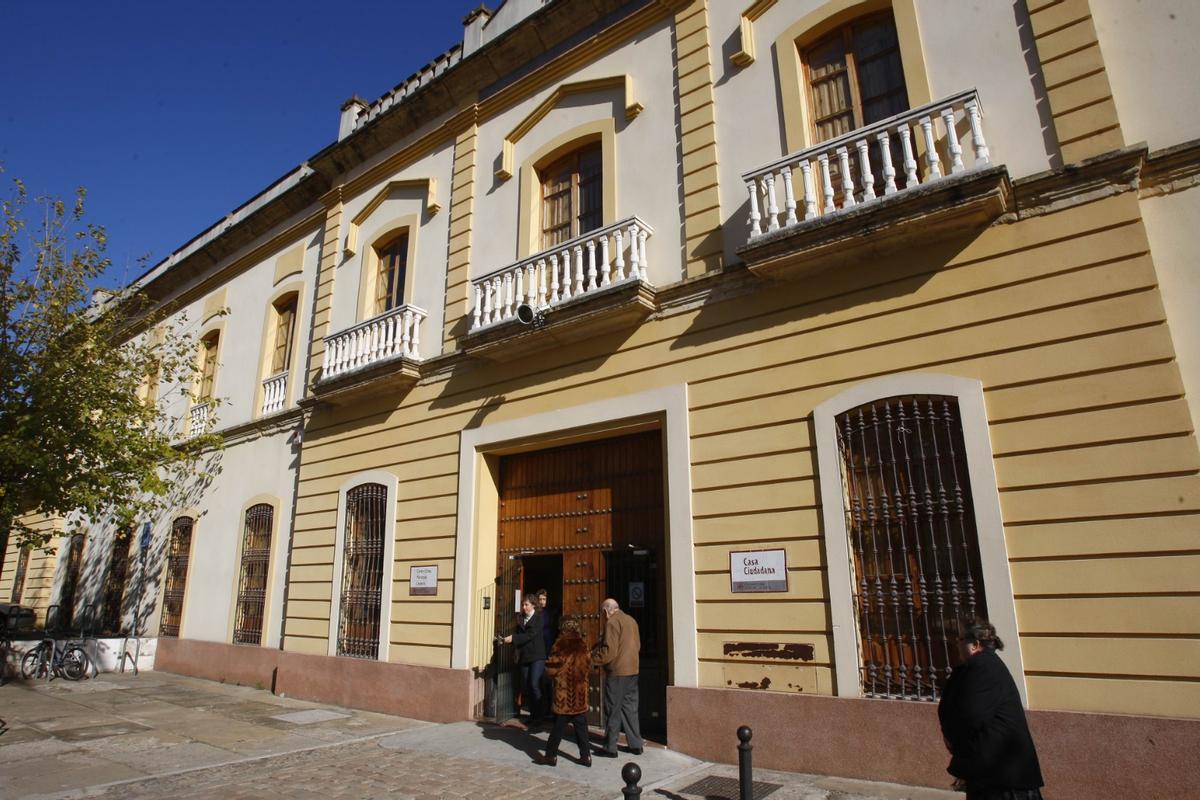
(568, 665)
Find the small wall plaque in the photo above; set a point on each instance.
(758, 571)
(422, 580)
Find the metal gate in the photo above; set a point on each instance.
(505, 676)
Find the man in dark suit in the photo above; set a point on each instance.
(531, 655)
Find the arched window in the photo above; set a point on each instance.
(179, 550)
(362, 571)
(114, 582)
(393, 272)
(285, 333)
(252, 585)
(572, 195)
(914, 547)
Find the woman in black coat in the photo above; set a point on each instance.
(991, 752)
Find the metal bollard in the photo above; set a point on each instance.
(745, 770)
(631, 773)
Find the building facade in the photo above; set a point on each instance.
(804, 329)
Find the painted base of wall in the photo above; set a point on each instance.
(1082, 755)
(108, 655)
(428, 693)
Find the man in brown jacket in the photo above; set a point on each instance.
(618, 654)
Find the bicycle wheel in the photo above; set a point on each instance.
(33, 665)
(75, 664)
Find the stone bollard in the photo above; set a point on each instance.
(631, 773)
(745, 771)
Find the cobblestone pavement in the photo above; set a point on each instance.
(159, 735)
(358, 770)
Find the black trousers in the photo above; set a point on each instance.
(579, 723)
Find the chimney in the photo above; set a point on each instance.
(473, 29)
(350, 111)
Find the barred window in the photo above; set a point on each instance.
(175, 584)
(114, 583)
(362, 571)
(19, 577)
(65, 612)
(252, 586)
(913, 541)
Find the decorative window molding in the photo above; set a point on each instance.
(369, 267)
(746, 54)
(273, 392)
(986, 500)
(508, 146)
(392, 484)
(432, 206)
(529, 225)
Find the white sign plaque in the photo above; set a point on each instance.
(758, 571)
(422, 580)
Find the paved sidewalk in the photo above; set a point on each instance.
(159, 735)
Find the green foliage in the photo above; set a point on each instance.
(82, 431)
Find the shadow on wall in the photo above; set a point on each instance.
(868, 275)
(139, 591)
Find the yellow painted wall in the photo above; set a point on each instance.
(39, 575)
(1059, 317)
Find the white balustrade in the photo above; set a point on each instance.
(274, 391)
(577, 267)
(394, 334)
(198, 417)
(827, 174)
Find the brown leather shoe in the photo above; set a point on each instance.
(545, 760)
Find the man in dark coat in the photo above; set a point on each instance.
(531, 655)
(991, 752)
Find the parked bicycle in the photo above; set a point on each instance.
(48, 658)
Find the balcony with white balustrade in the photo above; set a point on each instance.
(274, 393)
(387, 346)
(918, 176)
(200, 418)
(589, 285)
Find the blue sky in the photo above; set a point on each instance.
(172, 114)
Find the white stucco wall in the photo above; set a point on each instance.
(965, 45)
(1151, 58)
(647, 178)
(245, 470)
(1171, 226)
(428, 268)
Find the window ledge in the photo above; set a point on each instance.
(970, 200)
(619, 306)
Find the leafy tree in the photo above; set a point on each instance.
(82, 433)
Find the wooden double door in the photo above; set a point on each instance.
(586, 522)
